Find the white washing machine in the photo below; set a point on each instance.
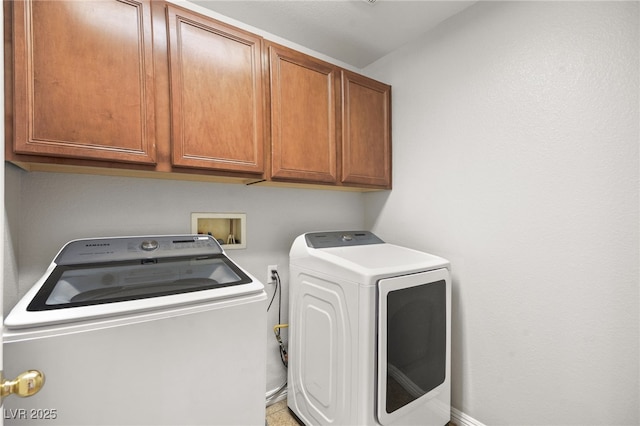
(156, 330)
(370, 333)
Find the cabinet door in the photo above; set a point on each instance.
(83, 80)
(366, 131)
(304, 105)
(216, 94)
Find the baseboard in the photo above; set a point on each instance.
(461, 419)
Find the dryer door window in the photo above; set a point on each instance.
(412, 341)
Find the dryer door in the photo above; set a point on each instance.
(413, 348)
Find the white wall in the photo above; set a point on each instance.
(515, 131)
(45, 210)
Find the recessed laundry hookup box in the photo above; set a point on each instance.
(229, 229)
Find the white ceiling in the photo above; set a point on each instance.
(353, 31)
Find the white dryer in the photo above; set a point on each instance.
(370, 332)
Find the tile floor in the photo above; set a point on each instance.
(278, 415)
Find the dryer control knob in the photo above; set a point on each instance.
(347, 237)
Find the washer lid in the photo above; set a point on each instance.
(109, 276)
(71, 286)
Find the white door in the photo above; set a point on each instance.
(2, 204)
(413, 344)
(27, 382)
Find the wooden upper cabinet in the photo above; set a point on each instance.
(216, 96)
(304, 117)
(137, 85)
(366, 131)
(83, 80)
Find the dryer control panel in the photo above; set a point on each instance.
(321, 240)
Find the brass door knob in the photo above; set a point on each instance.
(26, 384)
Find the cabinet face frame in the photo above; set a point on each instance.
(366, 131)
(229, 152)
(297, 153)
(44, 129)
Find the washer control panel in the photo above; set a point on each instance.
(115, 249)
(320, 240)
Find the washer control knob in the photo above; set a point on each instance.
(149, 245)
(347, 237)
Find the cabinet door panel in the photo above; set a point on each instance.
(303, 117)
(366, 131)
(216, 94)
(83, 75)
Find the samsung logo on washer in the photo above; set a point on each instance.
(97, 245)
